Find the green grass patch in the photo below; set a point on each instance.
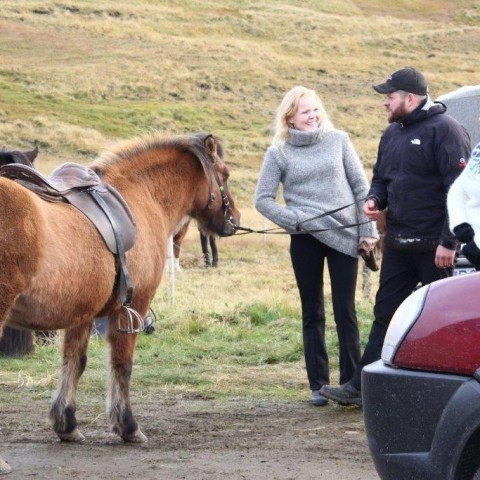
(255, 352)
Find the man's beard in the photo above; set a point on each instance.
(398, 114)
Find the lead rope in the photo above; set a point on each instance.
(298, 226)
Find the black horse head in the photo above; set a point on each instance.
(15, 156)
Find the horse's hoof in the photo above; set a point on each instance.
(73, 436)
(4, 467)
(137, 437)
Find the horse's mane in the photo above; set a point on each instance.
(193, 143)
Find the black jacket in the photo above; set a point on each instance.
(418, 159)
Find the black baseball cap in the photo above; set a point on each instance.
(407, 79)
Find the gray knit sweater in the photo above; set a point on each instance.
(320, 171)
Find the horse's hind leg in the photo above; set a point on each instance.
(20, 252)
(63, 409)
(7, 298)
(19, 261)
(119, 409)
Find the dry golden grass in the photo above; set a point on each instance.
(122, 68)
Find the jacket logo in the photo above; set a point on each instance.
(416, 141)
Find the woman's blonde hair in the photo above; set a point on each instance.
(289, 106)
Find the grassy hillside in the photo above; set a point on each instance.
(77, 75)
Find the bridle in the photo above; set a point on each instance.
(227, 208)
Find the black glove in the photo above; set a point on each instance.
(464, 232)
(472, 254)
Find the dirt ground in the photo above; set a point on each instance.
(195, 439)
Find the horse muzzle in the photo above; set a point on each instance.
(231, 226)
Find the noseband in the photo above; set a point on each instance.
(227, 208)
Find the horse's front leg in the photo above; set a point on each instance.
(63, 409)
(119, 409)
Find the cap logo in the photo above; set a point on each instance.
(415, 141)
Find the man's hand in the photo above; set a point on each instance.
(444, 257)
(370, 209)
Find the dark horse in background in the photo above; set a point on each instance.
(57, 272)
(16, 156)
(208, 241)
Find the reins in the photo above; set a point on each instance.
(298, 226)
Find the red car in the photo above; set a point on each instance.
(421, 401)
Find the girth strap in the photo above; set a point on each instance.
(125, 284)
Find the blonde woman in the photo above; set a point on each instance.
(320, 172)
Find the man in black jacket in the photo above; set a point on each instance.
(420, 154)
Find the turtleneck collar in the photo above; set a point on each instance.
(301, 138)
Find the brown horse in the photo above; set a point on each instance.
(58, 274)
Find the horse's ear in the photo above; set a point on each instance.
(32, 154)
(211, 146)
